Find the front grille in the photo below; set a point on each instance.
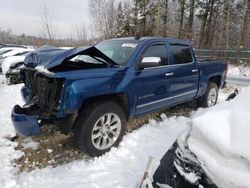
(44, 92)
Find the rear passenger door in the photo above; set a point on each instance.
(186, 73)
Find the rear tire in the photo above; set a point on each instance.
(210, 97)
(99, 127)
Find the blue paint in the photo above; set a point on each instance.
(25, 93)
(25, 125)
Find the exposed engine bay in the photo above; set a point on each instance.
(44, 94)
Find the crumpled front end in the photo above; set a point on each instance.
(187, 164)
(42, 96)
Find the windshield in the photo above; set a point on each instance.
(118, 51)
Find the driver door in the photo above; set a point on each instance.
(154, 85)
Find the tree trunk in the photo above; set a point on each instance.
(243, 32)
(227, 24)
(191, 17)
(166, 18)
(245, 25)
(203, 25)
(209, 25)
(182, 4)
(213, 32)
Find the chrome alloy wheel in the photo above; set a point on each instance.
(212, 97)
(106, 131)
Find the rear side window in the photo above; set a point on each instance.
(181, 54)
(157, 50)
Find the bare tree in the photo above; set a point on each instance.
(191, 17)
(182, 10)
(81, 33)
(166, 17)
(246, 23)
(104, 15)
(209, 23)
(227, 22)
(46, 23)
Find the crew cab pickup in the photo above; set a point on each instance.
(94, 90)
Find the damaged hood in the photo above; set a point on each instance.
(50, 56)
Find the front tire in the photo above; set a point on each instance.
(210, 97)
(99, 127)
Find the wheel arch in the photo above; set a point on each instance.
(120, 98)
(215, 79)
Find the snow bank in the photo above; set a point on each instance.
(220, 139)
(10, 95)
(121, 167)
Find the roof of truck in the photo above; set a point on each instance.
(146, 39)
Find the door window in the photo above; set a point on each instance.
(181, 54)
(157, 50)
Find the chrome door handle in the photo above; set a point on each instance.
(169, 74)
(195, 70)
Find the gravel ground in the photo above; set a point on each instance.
(53, 148)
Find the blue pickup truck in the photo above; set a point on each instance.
(94, 90)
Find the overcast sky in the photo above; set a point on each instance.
(24, 16)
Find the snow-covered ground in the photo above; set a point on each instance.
(238, 71)
(9, 96)
(121, 167)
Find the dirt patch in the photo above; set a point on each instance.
(53, 149)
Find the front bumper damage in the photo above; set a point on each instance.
(23, 124)
(42, 99)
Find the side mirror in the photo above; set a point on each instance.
(150, 62)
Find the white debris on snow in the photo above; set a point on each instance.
(163, 116)
(220, 139)
(29, 143)
(42, 69)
